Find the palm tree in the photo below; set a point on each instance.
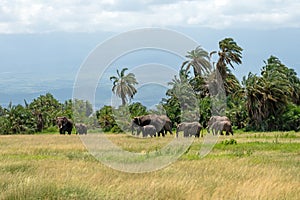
(199, 59)
(268, 95)
(229, 54)
(123, 85)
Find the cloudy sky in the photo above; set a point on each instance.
(44, 42)
(38, 16)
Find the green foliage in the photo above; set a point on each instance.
(230, 53)
(269, 95)
(116, 129)
(122, 119)
(198, 59)
(229, 142)
(291, 118)
(123, 85)
(106, 118)
(51, 129)
(182, 103)
(45, 109)
(40, 115)
(16, 120)
(82, 112)
(236, 110)
(205, 110)
(137, 109)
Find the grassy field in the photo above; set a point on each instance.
(258, 166)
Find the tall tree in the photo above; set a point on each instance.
(123, 85)
(199, 60)
(269, 94)
(45, 108)
(230, 53)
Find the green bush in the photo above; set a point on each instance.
(116, 129)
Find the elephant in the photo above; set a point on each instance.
(81, 128)
(213, 119)
(189, 129)
(64, 124)
(161, 123)
(134, 127)
(220, 126)
(168, 124)
(147, 130)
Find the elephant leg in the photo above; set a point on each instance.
(216, 132)
(62, 131)
(185, 134)
(161, 132)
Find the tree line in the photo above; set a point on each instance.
(260, 102)
(265, 102)
(40, 115)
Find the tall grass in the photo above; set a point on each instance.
(59, 167)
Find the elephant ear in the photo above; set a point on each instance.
(136, 121)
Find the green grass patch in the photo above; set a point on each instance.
(49, 191)
(16, 168)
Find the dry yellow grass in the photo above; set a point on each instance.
(59, 167)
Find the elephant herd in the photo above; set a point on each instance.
(66, 125)
(156, 125)
(151, 124)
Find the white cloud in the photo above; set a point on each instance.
(23, 16)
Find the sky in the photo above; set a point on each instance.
(34, 16)
(44, 43)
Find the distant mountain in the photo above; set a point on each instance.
(61, 95)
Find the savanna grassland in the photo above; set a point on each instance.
(254, 165)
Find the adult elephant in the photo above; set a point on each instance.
(213, 119)
(64, 124)
(81, 128)
(189, 129)
(168, 124)
(220, 126)
(161, 123)
(134, 127)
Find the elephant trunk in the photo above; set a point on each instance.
(132, 129)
